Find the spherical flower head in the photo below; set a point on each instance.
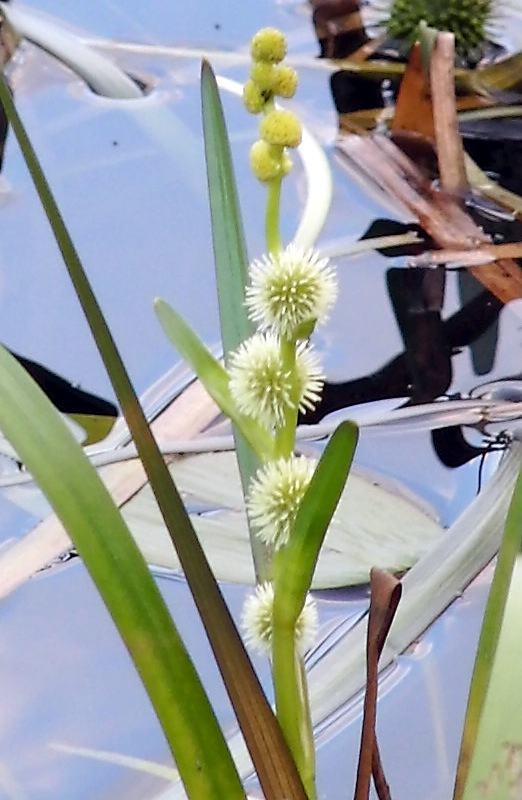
(289, 289)
(262, 74)
(253, 98)
(257, 622)
(274, 496)
(268, 44)
(273, 79)
(261, 385)
(281, 127)
(310, 377)
(284, 81)
(266, 162)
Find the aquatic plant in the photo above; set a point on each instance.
(274, 367)
(473, 22)
(290, 499)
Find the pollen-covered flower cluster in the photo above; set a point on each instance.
(262, 385)
(257, 621)
(279, 128)
(275, 495)
(290, 289)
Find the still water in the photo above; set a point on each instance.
(129, 178)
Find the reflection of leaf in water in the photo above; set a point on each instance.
(119, 759)
(93, 414)
(393, 378)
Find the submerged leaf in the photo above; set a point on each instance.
(375, 523)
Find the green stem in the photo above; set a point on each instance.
(285, 434)
(291, 693)
(273, 236)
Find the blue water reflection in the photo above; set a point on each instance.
(129, 178)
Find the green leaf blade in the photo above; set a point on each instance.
(211, 374)
(230, 252)
(231, 266)
(295, 565)
(97, 529)
(495, 681)
(275, 768)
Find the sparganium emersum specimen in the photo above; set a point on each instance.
(273, 375)
(257, 621)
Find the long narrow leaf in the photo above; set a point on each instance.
(276, 771)
(496, 680)
(231, 264)
(297, 562)
(210, 372)
(230, 252)
(85, 508)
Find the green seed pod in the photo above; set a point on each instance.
(281, 127)
(284, 81)
(264, 163)
(253, 98)
(268, 44)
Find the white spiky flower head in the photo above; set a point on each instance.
(274, 497)
(262, 386)
(290, 289)
(257, 622)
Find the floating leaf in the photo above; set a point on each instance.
(374, 523)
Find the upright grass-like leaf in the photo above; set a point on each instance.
(87, 511)
(275, 767)
(492, 731)
(231, 264)
(293, 572)
(211, 374)
(230, 251)
(297, 561)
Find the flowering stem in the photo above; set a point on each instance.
(285, 435)
(291, 696)
(273, 236)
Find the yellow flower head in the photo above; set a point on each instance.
(253, 98)
(266, 165)
(268, 44)
(281, 127)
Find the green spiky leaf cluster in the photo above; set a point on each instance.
(467, 19)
